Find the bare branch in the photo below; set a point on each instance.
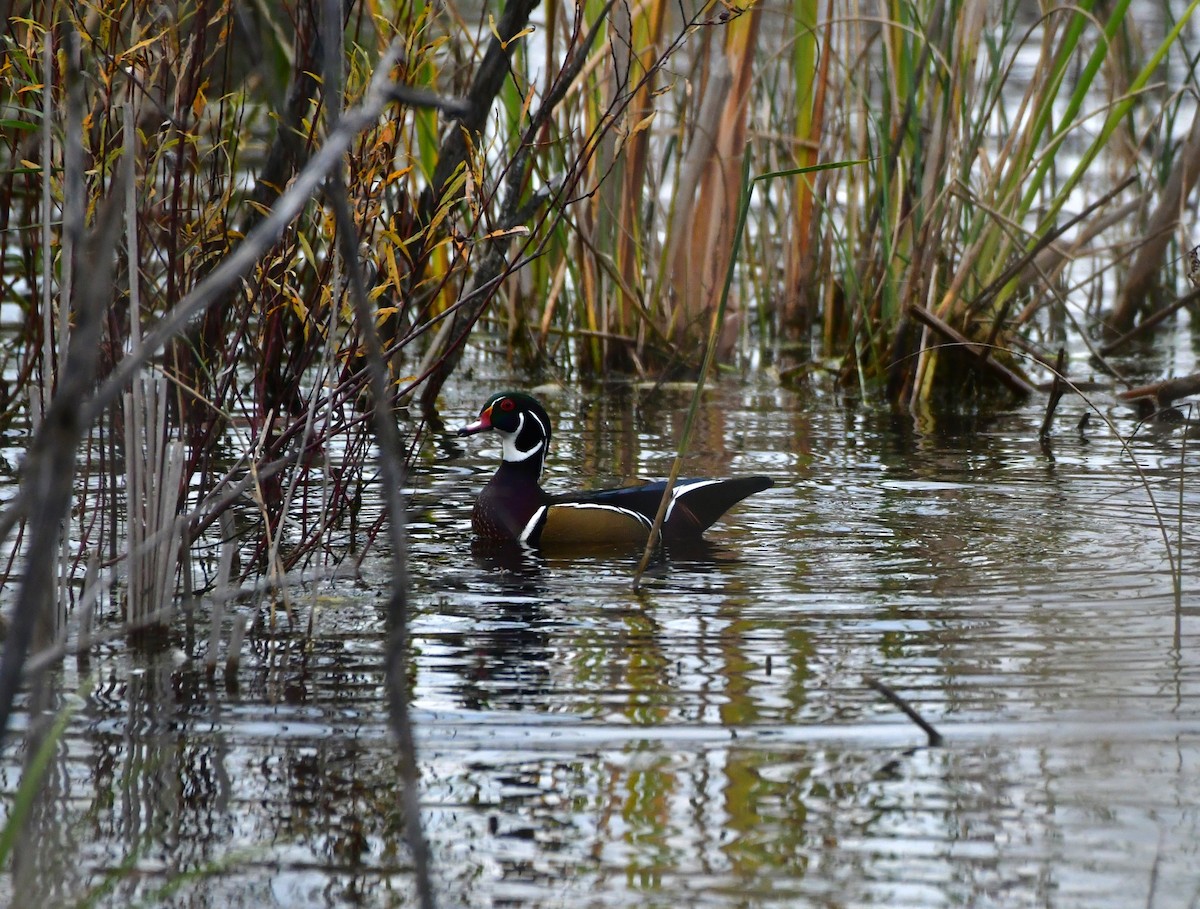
(49, 469)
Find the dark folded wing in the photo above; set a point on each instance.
(695, 503)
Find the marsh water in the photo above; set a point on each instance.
(711, 740)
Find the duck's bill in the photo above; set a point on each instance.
(483, 424)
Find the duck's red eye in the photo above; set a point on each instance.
(507, 404)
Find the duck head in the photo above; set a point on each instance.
(522, 423)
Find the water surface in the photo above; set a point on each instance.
(710, 740)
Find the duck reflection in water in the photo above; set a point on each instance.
(507, 652)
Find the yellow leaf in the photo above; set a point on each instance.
(199, 102)
(507, 232)
(449, 191)
(299, 308)
(393, 269)
(123, 57)
(642, 123)
(306, 249)
(397, 175)
(528, 30)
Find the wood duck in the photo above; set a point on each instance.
(513, 505)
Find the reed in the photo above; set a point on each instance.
(961, 184)
(153, 474)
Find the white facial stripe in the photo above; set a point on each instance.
(538, 420)
(680, 490)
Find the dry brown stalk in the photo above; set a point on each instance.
(695, 163)
(1164, 222)
(800, 266)
(698, 270)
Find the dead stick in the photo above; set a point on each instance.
(935, 737)
(1056, 393)
(1166, 391)
(978, 352)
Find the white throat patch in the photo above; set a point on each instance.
(508, 441)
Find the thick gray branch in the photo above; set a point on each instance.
(49, 468)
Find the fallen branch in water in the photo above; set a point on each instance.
(1166, 391)
(935, 737)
